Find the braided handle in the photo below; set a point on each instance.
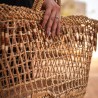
(38, 4)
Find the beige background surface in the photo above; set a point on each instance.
(92, 89)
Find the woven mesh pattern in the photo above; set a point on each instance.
(32, 64)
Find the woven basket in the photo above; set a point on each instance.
(34, 66)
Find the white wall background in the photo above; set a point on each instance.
(92, 8)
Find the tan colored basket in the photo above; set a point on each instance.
(33, 66)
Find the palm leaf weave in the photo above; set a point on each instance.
(34, 66)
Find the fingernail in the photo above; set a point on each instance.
(49, 33)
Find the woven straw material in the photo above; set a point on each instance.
(35, 66)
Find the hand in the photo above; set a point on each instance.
(51, 21)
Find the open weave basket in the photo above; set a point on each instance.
(33, 66)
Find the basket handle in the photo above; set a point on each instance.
(38, 4)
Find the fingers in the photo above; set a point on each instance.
(52, 23)
(51, 20)
(46, 16)
(56, 24)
